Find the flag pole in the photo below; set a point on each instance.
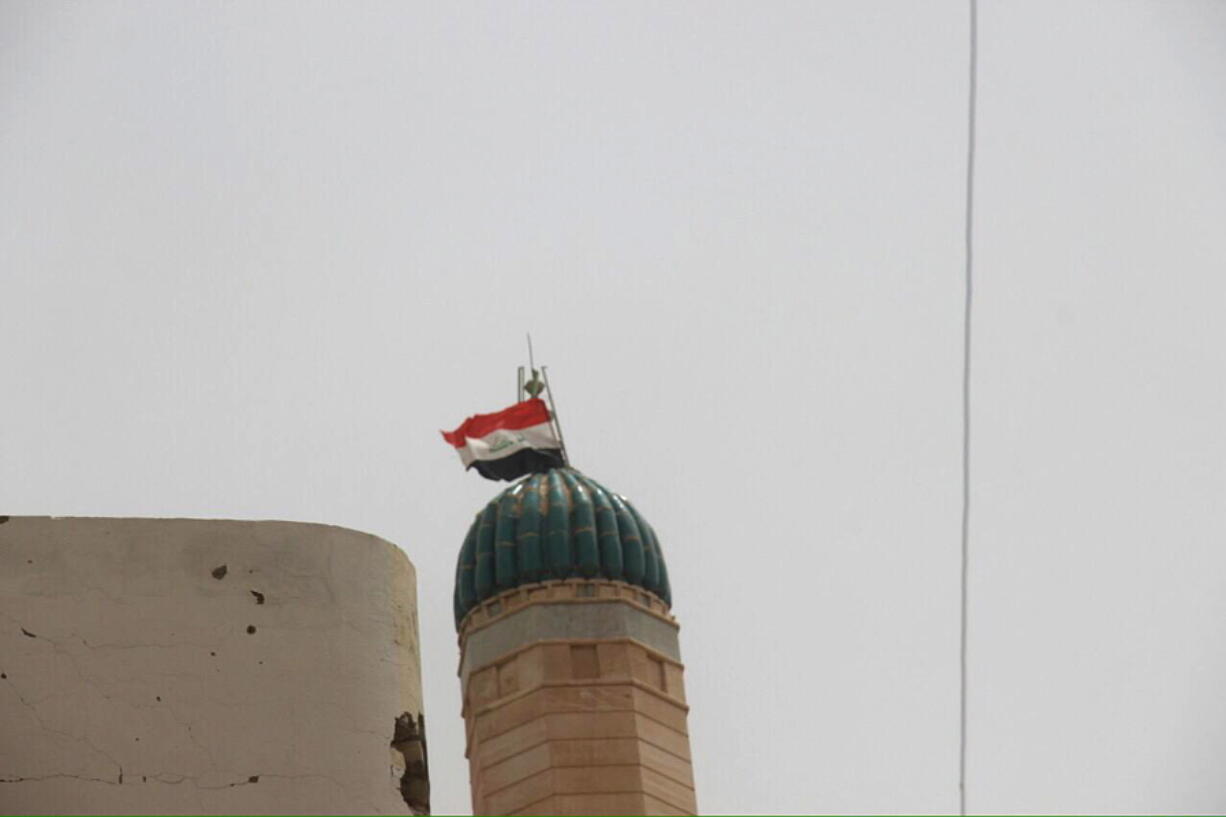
(553, 411)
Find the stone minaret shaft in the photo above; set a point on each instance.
(574, 702)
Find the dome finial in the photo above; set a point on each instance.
(533, 387)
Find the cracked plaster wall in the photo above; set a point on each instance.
(135, 679)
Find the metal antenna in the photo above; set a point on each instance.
(553, 411)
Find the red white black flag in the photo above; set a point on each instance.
(510, 443)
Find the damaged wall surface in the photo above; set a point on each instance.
(183, 666)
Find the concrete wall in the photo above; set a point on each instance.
(185, 666)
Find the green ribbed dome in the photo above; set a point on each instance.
(556, 525)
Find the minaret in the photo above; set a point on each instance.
(569, 661)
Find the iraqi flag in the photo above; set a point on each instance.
(510, 443)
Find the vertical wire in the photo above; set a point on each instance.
(966, 404)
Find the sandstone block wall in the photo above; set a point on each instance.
(571, 725)
(211, 667)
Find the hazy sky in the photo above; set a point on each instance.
(255, 255)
